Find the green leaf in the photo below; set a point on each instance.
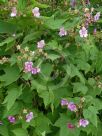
(4, 130)
(48, 96)
(42, 124)
(79, 87)
(6, 27)
(73, 71)
(13, 93)
(20, 132)
(11, 75)
(46, 69)
(22, 4)
(16, 108)
(62, 124)
(54, 23)
(10, 40)
(91, 114)
(30, 37)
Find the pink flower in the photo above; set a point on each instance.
(97, 16)
(11, 119)
(64, 102)
(28, 66)
(72, 106)
(95, 31)
(29, 117)
(70, 126)
(83, 32)
(35, 71)
(14, 12)
(62, 32)
(41, 44)
(83, 122)
(36, 12)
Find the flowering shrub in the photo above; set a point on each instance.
(50, 68)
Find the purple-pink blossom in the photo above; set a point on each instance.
(28, 66)
(36, 12)
(29, 117)
(83, 122)
(96, 17)
(41, 44)
(83, 32)
(95, 31)
(62, 32)
(70, 126)
(35, 71)
(72, 106)
(64, 102)
(13, 12)
(11, 119)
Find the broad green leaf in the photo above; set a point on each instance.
(11, 75)
(6, 27)
(62, 124)
(46, 69)
(30, 37)
(48, 96)
(3, 130)
(20, 132)
(54, 23)
(13, 93)
(42, 124)
(10, 40)
(16, 108)
(79, 87)
(91, 114)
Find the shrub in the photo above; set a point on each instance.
(50, 68)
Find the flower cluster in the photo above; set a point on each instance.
(62, 32)
(41, 44)
(83, 32)
(70, 105)
(36, 12)
(83, 122)
(13, 12)
(25, 53)
(96, 17)
(28, 67)
(4, 60)
(11, 119)
(28, 117)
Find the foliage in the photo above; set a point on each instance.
(50, 72)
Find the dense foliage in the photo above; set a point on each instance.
(50, 68)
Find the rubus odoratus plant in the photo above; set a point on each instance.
(50, 68)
